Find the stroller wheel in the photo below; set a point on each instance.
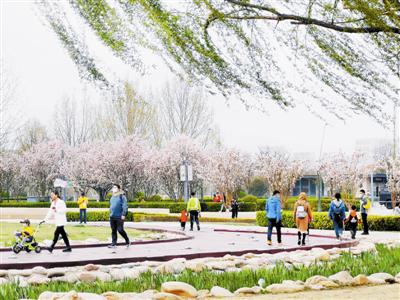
(27, 249)
(16, 249)
(38, 249)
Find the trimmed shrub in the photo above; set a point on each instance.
(104, 216)
(249, 198)
(322, 221)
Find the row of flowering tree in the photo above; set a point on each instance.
(138, 167)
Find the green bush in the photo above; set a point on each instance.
(322, 221)
(95, 216)
(155, 198)
(249, 198)
(104, 216)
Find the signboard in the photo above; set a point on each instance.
(60, 183)
(182, 173)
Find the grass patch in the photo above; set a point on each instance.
(75, 232)
(385, 260)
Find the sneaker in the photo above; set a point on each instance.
(269, 243)
(191, 229)
(198, 228)
(50, 249)
(280, 244)
(112, 246)
(67, 250)
(298, 243)
(364, 233)
(128, 245)
(303, 243)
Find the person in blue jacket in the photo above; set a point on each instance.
(118, 212)
(274, 216)
(337, 213)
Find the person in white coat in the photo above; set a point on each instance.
(58, 214)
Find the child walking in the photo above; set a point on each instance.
(183, 219)
(353, 221)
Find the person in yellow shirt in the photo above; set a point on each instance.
(82, 202)
(194, 209)
(26, 232)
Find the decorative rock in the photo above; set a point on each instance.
(323, 256)
(69, 277)
(3, 273)
(117, 274)
(196, 266)
(25, 272)
(397, 277)
(93, 276)
(166, 296)
(174, 266)
(3, 281)
(360, 280)
(91, 267)
(248, 291)
(39, 270)
(220, 292)
(20, 280)
(179, 288)
(50, 295)
(279, 288)
(87, 277)
(342, 278)
(56, 272)
(202, 294)
(381, 278)
(37, 279)
(316, 287)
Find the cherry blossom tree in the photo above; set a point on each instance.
(10, 175)
(279, 171)
(88, 166)
(231, 170)
(40, 166)
(343, 173)
(170, 158)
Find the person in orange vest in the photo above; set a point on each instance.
(353, 221)
(183, 219)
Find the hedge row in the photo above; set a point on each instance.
(248, 203)
(322, 221)
(104, 216)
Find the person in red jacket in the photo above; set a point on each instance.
(183, 219)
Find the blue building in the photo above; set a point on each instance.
(307, 184)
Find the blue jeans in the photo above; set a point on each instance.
(274, 223)
(82, 215)
(338, 227)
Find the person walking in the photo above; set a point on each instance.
(364, 212)
(337, 213)
(302, 215)
(273, 211)
(58, 214)
(82, 202)
(234, 208)
(194, 209)
(118, 212)
(217, 198)
(353, 221)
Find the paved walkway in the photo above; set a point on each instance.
(205, 243)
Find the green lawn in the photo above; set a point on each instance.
(75, 232)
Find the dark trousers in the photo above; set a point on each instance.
(353, 229)
(271, 224)
(82, 215)
(60, 230)
(364, 217)
(194, 217)
(183, 225)
(235, 213)
(117, 224)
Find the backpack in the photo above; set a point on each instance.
(337, 210)
(368, 205)
(301, 212)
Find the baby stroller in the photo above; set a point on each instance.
(25, 241)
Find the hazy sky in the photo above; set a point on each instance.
(44, 73)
